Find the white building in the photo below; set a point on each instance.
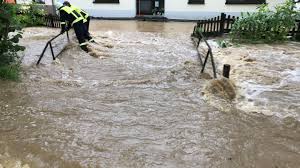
(173, 9)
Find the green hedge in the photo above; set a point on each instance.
(266, 25)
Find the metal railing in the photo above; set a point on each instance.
(49, 43)
(198, 35)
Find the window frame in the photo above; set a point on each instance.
(106, 1)
(245, 2)
(196, 2)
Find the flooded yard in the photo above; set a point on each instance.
(267, 77)
(137, 103)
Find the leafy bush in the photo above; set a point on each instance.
(197, 31)
(9, 38)
(158, 11)
(265, 25)
(11, 72)
(30, 15)
(223, 43)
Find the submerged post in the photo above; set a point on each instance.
(226, 70)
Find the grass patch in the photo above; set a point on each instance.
(10, 72)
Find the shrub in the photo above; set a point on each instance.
(30, 15)
(11, 72)
(265, 25)
(197, 32)
(223, 43)
(9, 38)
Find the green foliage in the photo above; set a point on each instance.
(223, 43)
(158, 11)
(199, 30)
(9, 37)
(266, 25)
(30, 15)
(9, 49)
(10, 72)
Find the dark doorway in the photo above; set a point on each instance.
(150, 7)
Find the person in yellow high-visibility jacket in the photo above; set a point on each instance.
(84, 14)
(70, 18)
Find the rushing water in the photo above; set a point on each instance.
(268, 77)
(138, 105)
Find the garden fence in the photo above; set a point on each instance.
(51, 21)
(217, 26)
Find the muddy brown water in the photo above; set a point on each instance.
(140, 105)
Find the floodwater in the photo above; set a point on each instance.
(267, 77)
(138, 103)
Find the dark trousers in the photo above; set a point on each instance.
(81, 32)
(87, 23)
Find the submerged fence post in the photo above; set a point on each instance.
(226, 70)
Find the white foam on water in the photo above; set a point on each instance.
(108, 34)
(269, 83)
(291, 75)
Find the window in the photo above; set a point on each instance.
(106, 1)
(245, 1)
(196, 2)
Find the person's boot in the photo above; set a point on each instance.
(84, 48)
(92, 41)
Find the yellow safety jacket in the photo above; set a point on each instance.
(70, 15)
(84, 14)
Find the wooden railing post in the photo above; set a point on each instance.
(222, 23)
(226, 70)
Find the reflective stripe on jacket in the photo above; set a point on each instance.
(73, 16)
(84, 14)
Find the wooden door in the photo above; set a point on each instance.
(144, 7)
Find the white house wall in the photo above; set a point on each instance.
(174, 9)
(180, 9)
(24, 1)
(125, 9)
